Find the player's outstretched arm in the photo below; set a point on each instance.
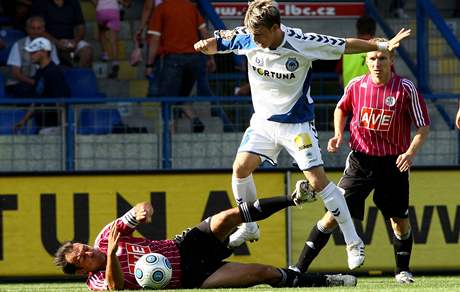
(207, 46)
(144, 212)
(354, 45)
(113, 273)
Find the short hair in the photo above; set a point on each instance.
(378, 39)
(366, 25)
(262, 13)
(60, 260)
(35, 18)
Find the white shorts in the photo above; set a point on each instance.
(267, 139)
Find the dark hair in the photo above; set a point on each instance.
(366, 25)
(262, 13)
(60, 260)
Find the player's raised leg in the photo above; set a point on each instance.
(244, 190)
(335, 203)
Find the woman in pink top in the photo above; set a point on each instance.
(108, 20)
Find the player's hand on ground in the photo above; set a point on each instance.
(394, 42)
(404, 162)
(207, 46)
(334, 143)
(144, 212)
(114, 237)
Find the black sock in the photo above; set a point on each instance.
(263, 208)
(290, 278)
(403, 250)
(314, 244)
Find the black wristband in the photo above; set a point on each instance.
(149, 66)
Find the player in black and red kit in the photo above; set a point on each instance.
(383, 107)
(197, 256)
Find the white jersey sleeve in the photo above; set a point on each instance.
(237, 41)
(316, 46)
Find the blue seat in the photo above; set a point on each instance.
(82, 83)
(8, 120)
(98, 121)
(9, 36)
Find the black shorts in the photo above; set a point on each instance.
(365, 173)
(201, 254)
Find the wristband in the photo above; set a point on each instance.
(382, 46)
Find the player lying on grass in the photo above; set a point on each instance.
(197, 256)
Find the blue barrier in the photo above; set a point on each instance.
(69, 105)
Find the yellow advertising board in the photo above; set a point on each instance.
(37, 213)
(435, 219)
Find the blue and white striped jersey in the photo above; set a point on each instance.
(280, 78)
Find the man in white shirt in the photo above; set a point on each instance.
(279, 68)
(20, 82)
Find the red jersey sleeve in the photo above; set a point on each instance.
(418, 108)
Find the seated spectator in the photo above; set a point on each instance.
(65, 27)
(20, 82)
(49, 83)
(18, 11)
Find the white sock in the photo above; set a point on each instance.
(244, 190)
(335, 202)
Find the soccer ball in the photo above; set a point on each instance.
(153, 270)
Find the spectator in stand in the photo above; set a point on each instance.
(108, 20)
(65, 27)
(49, 83)
(397, 9)
(353, 65)
(175, 23)
(21, 82)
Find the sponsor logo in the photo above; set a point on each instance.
(390, 100)
(375, 119)
(271, 74)
(259, 61)
(292, 64)
(134, 252)
(303, 141)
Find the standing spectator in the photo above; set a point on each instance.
(383, 107)
(397, 9)
(49, 83)
(147, 12)
(279, 67)
(353, 65)
(175, 24)
(108, 20)
(65, 27)
(21, 82)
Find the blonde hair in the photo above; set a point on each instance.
(262, 13)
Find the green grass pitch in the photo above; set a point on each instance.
(423, 283)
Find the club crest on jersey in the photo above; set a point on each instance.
(292, 64)
(390, 100)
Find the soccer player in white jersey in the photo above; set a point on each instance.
(279, 65)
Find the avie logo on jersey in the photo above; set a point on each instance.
(274, 75)
(375, 119)
(292, 64)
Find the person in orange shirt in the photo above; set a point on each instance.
(174, 25)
